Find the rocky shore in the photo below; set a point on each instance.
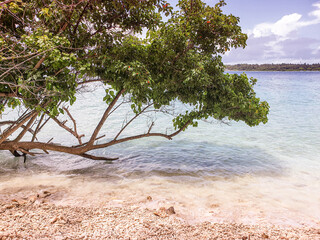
(36, 216)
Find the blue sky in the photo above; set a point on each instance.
(279, 30)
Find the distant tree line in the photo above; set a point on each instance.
(274, 67)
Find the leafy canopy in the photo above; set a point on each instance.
(50, 48)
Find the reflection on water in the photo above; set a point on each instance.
(267, 174)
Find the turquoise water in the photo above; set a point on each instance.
(221, 172)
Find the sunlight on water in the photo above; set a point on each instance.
(215, 172)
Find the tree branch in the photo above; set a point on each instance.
(12, 122)
(6, 2)
(25, 147)
(40, 62)
(13, 94)
(131, 120)
(168, 136)
(79, 19)
(74, 126)
(149, 130)
(37, 128)
(15, 66)
(92, 80)
(34, 116)
(104, 118)
(181, 129)
(83, 144)
(62, 124)
(12, 129)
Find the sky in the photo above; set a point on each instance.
(279, 31)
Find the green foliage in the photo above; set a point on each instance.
(178, 60)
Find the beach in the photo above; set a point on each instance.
(222, 181)
(41, 213)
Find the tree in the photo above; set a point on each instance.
(51, 49)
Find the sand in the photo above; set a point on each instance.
(35, 214)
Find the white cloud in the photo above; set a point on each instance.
(286, 25)
(281, 41)
(282, 28)
(316, 13)
(268, 50)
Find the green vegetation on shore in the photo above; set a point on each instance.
(274, 67)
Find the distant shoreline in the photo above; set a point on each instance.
(283, 67)
(242, 70)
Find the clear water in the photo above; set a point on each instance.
(218, 172)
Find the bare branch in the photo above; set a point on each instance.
(113, 142)
(27, 152)
(13, 122)
(116, 108)
(45, 122)
(62, 124)
(11, 146)
(12, 129)
(46, 152)
(131, 120)
(37, 128)
(34, 116)
(152, 124)
(80, 145)
(104, 118)
(74, 125)
(168, 136)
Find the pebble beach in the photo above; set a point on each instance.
(36, 214)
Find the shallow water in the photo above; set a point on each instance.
(217, 172)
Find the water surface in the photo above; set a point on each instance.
(218, 172)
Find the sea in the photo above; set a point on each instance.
(219, 171)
